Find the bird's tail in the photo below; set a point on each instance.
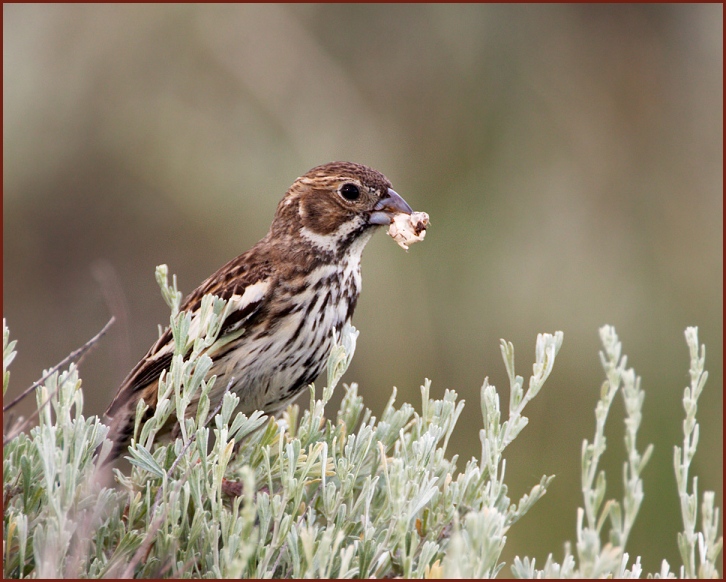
(120, 433)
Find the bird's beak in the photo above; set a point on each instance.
(387, 207)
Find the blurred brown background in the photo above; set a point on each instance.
(570, 158)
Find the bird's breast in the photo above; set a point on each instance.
(282, 357)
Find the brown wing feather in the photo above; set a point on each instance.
(142, 374)
(231, 279)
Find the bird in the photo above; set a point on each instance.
(289, 294)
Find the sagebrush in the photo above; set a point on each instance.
(314, 494)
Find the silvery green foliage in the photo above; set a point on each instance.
(311, 494)
(480, 535)
(53, 504)
(306, 495)
(610, 559)
(709, 545)
(8, 355)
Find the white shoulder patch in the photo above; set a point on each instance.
(253, 294)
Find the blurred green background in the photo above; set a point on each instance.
(570, 157)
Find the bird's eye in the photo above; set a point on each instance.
(350, 192)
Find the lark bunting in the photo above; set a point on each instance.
(289, 291)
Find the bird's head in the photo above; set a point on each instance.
(336, 206)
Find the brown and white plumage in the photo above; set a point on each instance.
(288, 292)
